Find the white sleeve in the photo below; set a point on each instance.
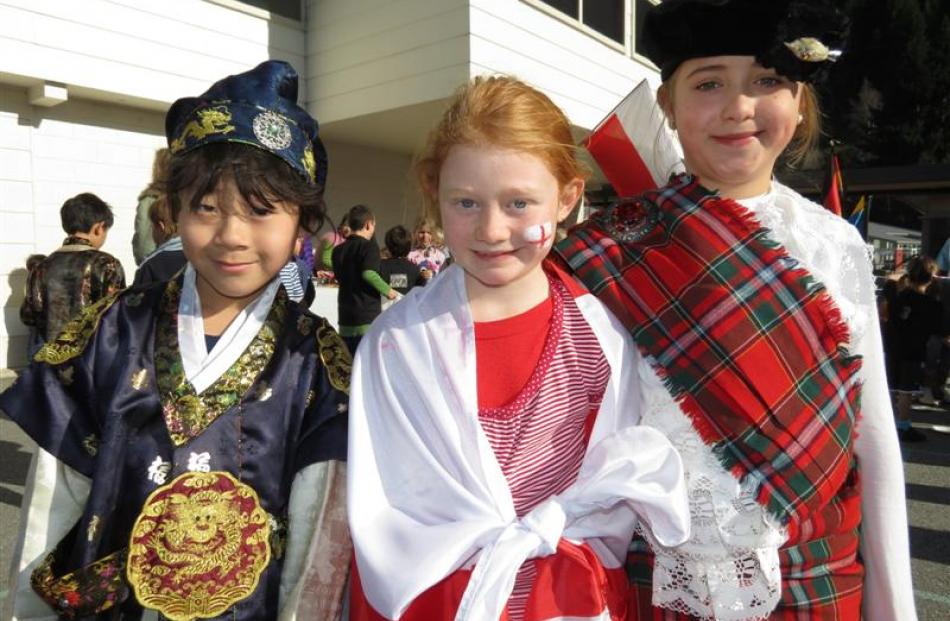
(53, 502)
(318, 554)
(885, 548)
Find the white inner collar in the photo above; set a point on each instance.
(202, 368)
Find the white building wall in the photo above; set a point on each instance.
(378, 179)
(366, 56)
(139, 51)
(581, 72)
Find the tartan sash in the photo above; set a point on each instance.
(748, 343)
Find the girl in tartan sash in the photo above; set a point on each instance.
(753, 309)
(497, 468)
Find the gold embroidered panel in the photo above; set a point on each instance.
(199, 546)
(88, 591)
(335, 356)
(76, 334)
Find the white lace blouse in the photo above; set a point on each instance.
(729, 569)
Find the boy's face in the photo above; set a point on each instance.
(236, 248)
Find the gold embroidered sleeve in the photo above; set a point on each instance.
(335, 356)
(76, 333)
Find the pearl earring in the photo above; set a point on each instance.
(801, 118)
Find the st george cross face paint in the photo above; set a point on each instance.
(539, 234)
(499, 208)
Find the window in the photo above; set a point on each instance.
(284, 8)
(603, 16)
(639, 10)
(568, 7)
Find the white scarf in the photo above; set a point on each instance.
(202, 367)
(426, 494)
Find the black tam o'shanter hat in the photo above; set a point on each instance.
(797, 38)
(258, 108)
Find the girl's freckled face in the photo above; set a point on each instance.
(489, 199)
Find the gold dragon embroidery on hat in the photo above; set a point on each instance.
(210, 121)
(309, 162)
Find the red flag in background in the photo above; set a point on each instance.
(633, 146)
(835, 186)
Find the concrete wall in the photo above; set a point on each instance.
(378, 179)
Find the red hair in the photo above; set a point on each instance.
(499, 111)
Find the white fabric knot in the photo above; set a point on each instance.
(546, 522)
(533, 536)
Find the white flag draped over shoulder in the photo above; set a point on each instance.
(633, 145)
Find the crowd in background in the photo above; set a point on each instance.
(370, 278)
(914, 308)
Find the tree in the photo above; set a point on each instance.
(888, 99)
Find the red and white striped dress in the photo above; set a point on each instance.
(539, 430)
(541, 377)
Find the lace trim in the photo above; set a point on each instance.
(729, 568)
(838, 257)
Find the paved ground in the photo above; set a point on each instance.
(927, 468)
(926, 464)
(16, 450)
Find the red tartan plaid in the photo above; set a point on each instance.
(749, 344)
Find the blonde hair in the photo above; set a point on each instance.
(806, 135)
(499, 111)
(808, 131)
(163, 222)
(428, 224)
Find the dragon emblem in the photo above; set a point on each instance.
(210, 121)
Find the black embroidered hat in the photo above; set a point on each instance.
(257, 107)
(797, 38)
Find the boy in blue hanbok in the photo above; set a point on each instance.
(190, 432)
